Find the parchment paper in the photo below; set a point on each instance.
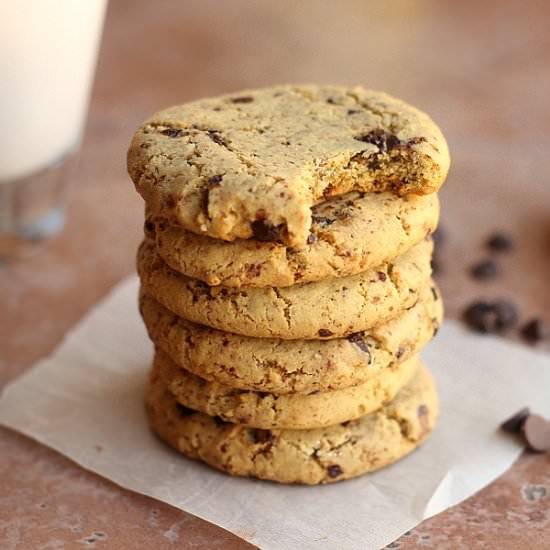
(86, 402)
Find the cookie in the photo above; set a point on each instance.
(287, 366)
(325, 309)
(296, 411)
(252, 164)
(321, 455)
(345, 239)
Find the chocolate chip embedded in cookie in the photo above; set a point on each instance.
(279, 153)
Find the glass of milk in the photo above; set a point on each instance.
(48, 51)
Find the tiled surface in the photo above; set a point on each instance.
(481, 71)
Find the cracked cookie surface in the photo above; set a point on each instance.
(252, 164)
(292, 410)
(286, 366)
(324, 309)
(344, 239)
(321, 455)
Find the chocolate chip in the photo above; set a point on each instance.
(322, 221)
(535, 330)
(399, 353)
(325, 332)
(334, 471)
(264, 231)
(243, 99)
(261, 436)
(500, 242)
(486, 269)
(183, 410)
(536, 430)
(382, 276)
(215, 136)
(173, 132)
(215, 181)
(360, 343)
(353, 111)
(149, 227)
(382, 139)
(493, 317)
(254, 270)
(514, 424)
(379, 138)
(331, 101)
(170, 201)
(311, 238)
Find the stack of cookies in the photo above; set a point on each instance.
(285, 279)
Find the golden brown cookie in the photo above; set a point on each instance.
(321, 455)
(252, 164)
(324, 309)
(286, 366)
(296, 411)
(349, 234)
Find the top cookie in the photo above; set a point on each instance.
(252, 164)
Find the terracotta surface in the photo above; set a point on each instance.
(480, 68)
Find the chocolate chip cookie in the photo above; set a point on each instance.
(292, 410)
(252, 164)
(349, 234)
(286, 366)
(321, 455)
(325, 309)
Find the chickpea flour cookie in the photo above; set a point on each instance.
(252, 164)
(325, 309)
(345, 239)
(321, 455)
(296, 411)
(287, 366)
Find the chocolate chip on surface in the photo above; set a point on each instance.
(215, 136)
(535, 330)
(500, 242)
(382, 276)
(486, 269)
(215, 181)
(325, 332)
(492, 317)
(382, 139)
(243, 99)
(322, 221)
(264, 231)
(334, 471)
(360, 343)
(536, 430)
(173, 132)
(311, 238)
(514, 424)
(258, 435)
(183, 410)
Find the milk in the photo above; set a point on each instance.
(48, 50)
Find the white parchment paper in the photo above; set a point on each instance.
(86, 402)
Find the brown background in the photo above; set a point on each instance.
(482, 69)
